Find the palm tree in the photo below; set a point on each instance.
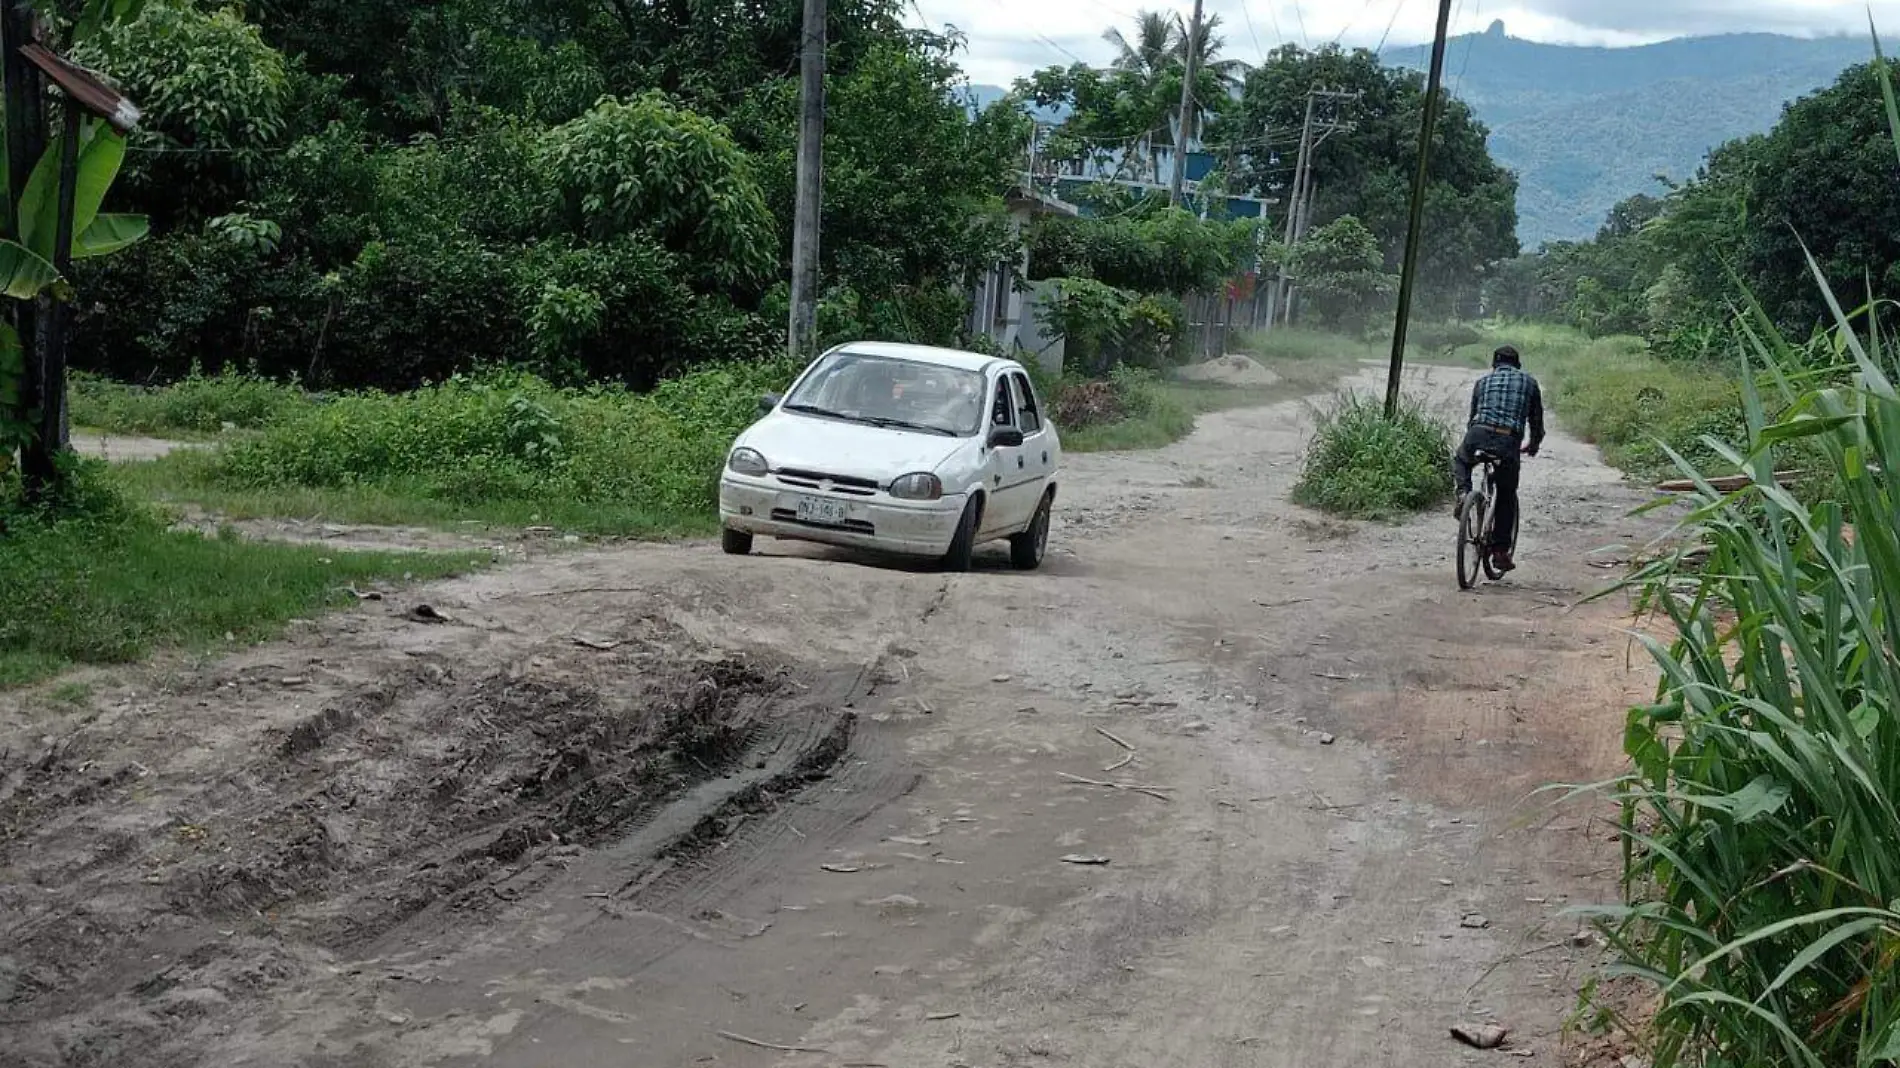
(1155, 56)
(1157, 44)
(1227, 74)
(1149, 60)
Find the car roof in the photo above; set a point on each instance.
(963, 361)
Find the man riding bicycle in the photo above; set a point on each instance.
(1504, 404)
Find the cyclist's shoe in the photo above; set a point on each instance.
(1501, 559)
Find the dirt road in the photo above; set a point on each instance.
(655, 806)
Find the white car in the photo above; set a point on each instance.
(898, 448)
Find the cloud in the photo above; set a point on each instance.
(1008, 38)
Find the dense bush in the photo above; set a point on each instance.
(200, 404)
(1362, 465)
(514, 437)
(1103, 327)
(1161, 250)
(505, 186)
(1762, 855)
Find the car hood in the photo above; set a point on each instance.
(835, 447)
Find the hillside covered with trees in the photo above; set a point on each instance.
(1585, 127)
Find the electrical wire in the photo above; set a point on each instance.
(1300, 14)
(1248, 14)
(1347, 28)
(1389, 23)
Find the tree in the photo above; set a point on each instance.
(1341, 274)
(1365, 170)
(1128, 113)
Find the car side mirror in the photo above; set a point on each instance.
(1006, 438)
(769, 402)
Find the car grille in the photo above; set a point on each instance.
(854, 526)
(819, 480)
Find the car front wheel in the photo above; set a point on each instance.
(1026, 549)
(963, 546)
(735, 542)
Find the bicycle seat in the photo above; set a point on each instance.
(1486, 456)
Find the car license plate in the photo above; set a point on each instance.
(820, 510)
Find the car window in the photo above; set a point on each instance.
(1027, 415)
(886, 391)
(1003, 406)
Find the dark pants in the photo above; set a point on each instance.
(1504, 447)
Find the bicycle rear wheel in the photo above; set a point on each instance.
(1471, 555)
(1490, 570)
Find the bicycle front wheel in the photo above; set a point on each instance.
(1490, 570)
(1471, 554)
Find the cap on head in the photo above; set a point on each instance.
(1505, 355)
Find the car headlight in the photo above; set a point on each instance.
(747, 462)
(921, 486)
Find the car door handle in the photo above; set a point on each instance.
(998, 479)
(1019, 462)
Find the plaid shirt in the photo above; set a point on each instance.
(1509, 399)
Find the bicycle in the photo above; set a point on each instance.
(1475, 526)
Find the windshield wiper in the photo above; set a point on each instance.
(813, 409)
(903, 424)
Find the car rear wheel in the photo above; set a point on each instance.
(735, 542)
(1026, 549)
(963, 547)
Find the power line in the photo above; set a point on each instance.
(1273, 19)
(1248, 14)
(1471, 41)
(1347, 28)
(1389, 23)
(1300, 14)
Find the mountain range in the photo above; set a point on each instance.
(1584, 127)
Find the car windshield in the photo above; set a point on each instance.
(902, 394)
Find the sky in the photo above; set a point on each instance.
(1008, 38)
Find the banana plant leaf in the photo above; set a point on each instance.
(109, 233)
(101, 153)
(23, 272)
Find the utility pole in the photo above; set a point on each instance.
(1190, 52)
(802, 335)
(1408, 273)
(1322, 121)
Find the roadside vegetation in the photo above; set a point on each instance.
(98, 579)
(1761, 812)
(1361, 465)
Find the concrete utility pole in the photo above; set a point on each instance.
(1408, 273)
(1190, 52)
(1322, 121)
(802, 336)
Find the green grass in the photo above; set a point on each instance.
(1612, 393)
(1360, 465)
(114, 584)
(193, 479)
(1761, 817)
(198, 407)
(498, 449)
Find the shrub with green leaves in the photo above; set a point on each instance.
(511, 436)
(1364, 466)
(1761, 817)
(199, 404)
